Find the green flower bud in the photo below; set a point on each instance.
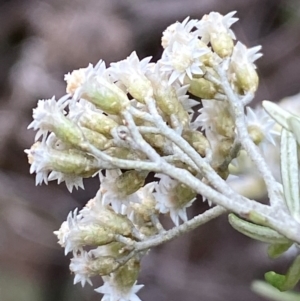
(92, 235)
(123, 153)
(98, 140)
(67, 131)
(197, 140)
(165, 97)
(184, 195)
(106, 96)
(98, 122)
(202, 88)
(103, 266)
(130, 181)
(126, 276)
(139, 87)
(225, 124)
(73, 162)
(108, 218)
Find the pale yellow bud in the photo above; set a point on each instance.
(222, 44)
(124, 153)
(130, 181)
(225, 124)
(183, 116)
(256, 134)
(102, 265)
(246, 78)
(98, 122)
(72, 162)
(139, 87)
(197, 140)
(126, 276)
(202, 88)
(208, 58)
(98, 140)
(166, 98)
(92, 235)
(106, 96)
(184, 195)
(108, 218)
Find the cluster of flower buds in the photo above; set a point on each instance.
(135, 117)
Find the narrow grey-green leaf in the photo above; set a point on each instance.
(294, 126)
(289, 172)
(275, 250)
(288, 281)
(271, 293)
(257, 232)
(277, 113)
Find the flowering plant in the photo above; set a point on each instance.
(136, 120)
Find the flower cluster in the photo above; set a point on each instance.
(133, 124)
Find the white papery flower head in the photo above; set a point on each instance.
(215, 23)
(80, 267)
(242, 68)
(70, 180)
(113, 292)
(146, 206)
(213, 116)
(187, 102)
(63, 234)
(179, 32)
(261, 125)
(242, 55)
(79, 80)
(39, 159)
(44, 160)
(113, 196)
(166, 199)
(47, 114)
(181, 59)
(131, 73)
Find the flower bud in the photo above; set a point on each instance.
(123, 153)
(183, 116)
(98, 122)
(130, 181)
(242, 68)
(202, 88)
(256, 134)
(88, 266)
(97, 213)
(90, 235)
(98, 140)
(126, 276)
(225, 124)
(222, 43)
(207, 58)
(65, 161)
(183, 195)
(197, 140)
(165, 96)
(105, 95)
(139, 87)
(246, 78)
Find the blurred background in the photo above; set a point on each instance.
(40, 41)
